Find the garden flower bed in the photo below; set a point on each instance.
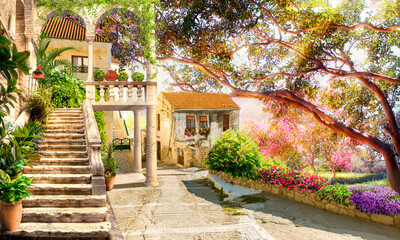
(363, 195)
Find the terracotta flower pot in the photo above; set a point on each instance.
(38, 75)
(110, 183)
(205, 137)
(10, 215)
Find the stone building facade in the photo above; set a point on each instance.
(178, 110)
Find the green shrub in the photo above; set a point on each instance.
(13, 190)
(67, 90)
(269, 162)
(337, 193)
(38, 103)
(234, 153)
(110, 162)
(137, 76)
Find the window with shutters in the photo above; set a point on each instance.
(190, 121)
(203, 121)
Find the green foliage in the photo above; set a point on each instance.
(46, 57)
(337, 193)
(123, 76)
(235, 153)
(38, 103)
(101, 124)
(269, 162)
(11, 59)
(110, 162)
(137, 76)
(67, 90)
(13, 190)
(98, 74)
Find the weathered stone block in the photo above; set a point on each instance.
(266, 188)
(305, 199)
(320, 204)
(379, 218)
(275, 190)
(332, 208)
(396, 221)
(347, 212)
(364, 216)
(290, 194)
(298, 196)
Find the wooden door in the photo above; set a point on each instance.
(180, 156)
(225, 123)
(158, 150)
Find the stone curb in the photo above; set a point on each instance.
(307, 198)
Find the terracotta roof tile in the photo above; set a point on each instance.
(65, 28)
(195, 100)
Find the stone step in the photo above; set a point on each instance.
(64, 154)
(65, 201)
(56, 110)
(53, 169)
(60, 178)
(61, 231)
(64, 125)
(64, 141)
(48, 147)
(60, 189)
(66, 118)
(64, 215)
(62, 136)
(60, 161)
(65, 130)
(64, 121)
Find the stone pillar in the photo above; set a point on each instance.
(90, 89)
(137, 159)
(151, 141)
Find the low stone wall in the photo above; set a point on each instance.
(309, 198)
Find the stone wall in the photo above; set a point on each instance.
(309, 198)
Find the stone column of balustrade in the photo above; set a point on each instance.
(137, 158)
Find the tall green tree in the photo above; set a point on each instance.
(287, 52)
(47, 57)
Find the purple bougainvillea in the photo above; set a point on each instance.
(375, 199)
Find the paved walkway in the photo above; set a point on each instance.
(184, 206)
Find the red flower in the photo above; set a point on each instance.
(39, 67)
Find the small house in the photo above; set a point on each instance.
(187, 122)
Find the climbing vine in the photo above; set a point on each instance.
(144, 10)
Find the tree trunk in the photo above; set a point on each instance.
(392, 169)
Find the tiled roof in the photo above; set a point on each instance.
(196, 100)
(66, 28)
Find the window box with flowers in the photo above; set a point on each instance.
(38, 73)
(190, 131)
(111, 75)
(205, 131)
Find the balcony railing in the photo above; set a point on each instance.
(122, 93)
(80, 69)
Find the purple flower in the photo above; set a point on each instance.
(375, 199)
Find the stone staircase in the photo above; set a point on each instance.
(61, 205)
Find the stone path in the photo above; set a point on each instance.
(184, 206)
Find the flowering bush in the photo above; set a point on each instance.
(111, 75)
(38, 69)
(190, 131)
(290, 179)
(375, 199)
(98, 74)
(234, 153)
(204, 131)
(123, 76)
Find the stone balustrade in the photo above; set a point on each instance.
(119, 95)
(308, 198)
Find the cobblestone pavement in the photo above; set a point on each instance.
(185, 206)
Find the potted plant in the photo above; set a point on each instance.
(12, 192)
(204, 131)
(38, 73)
(137, 76)
(98, 74)
(123, 76)
(110, 165)
(190, 131)
(111, 75)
